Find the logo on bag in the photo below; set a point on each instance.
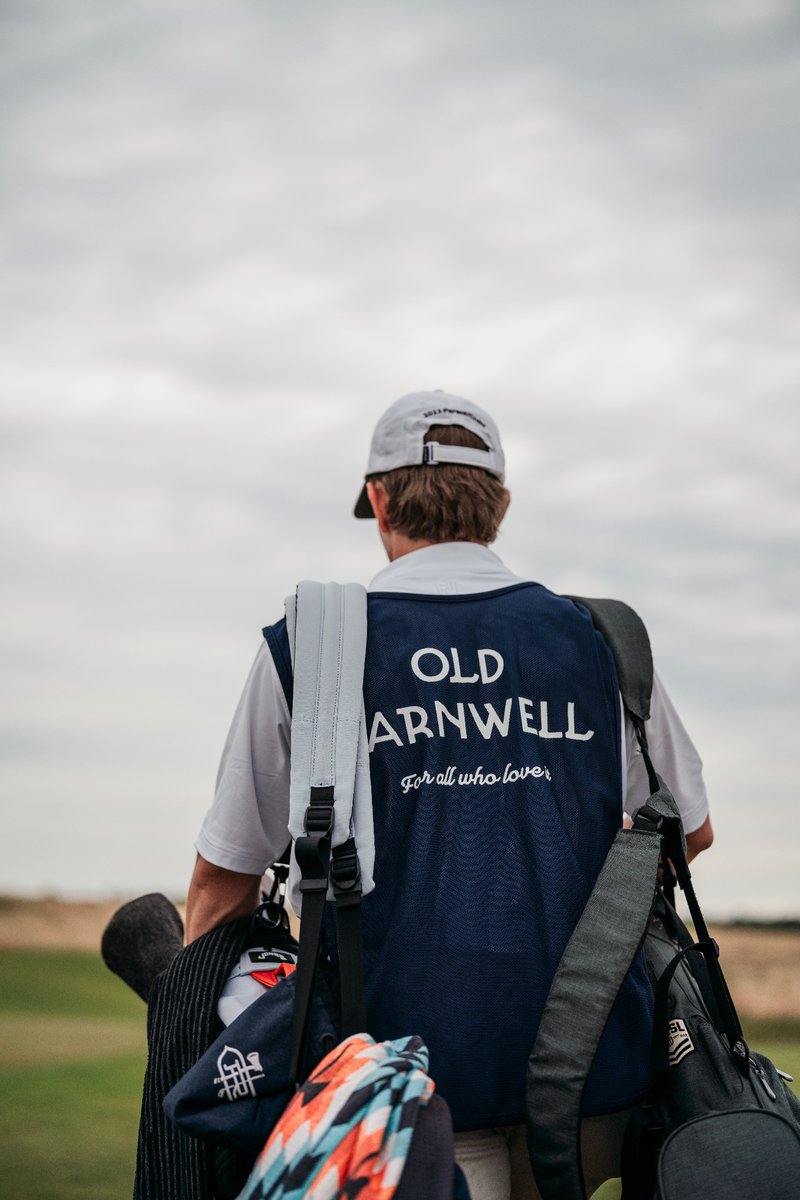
(680, 1043)
(278, 956)
(237, 1074)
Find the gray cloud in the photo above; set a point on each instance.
(232, 234)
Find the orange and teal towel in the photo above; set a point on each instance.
(348, 1129)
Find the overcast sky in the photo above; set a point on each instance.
(233, 233)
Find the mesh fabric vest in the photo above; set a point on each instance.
(494, 724)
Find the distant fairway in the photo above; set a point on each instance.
(72, 1059)
(72, 1038)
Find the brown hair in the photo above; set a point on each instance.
(445, 502)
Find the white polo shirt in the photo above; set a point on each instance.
(246, 827)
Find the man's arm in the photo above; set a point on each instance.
(217, 895)
(246, 826)
(699, 839)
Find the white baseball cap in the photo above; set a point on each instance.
(399, 438)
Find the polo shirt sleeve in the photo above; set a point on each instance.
(246, 827)
(674, 757)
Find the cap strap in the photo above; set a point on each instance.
(467, 456)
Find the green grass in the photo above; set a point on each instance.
(73, 983)
(70, 1131)
(784, 1054)
(609, 1191)
(72, 1058)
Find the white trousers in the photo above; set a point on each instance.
(497, 1167)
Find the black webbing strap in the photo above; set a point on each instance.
(726, 1016)
(318, 863)
(346, 880)
(659, 1060)
(313, 854)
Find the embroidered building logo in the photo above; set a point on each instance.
(237, 1074)
(680, 1043)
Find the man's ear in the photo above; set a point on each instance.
(506, 502)
(379, 499)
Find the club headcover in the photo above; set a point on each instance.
(141, 940)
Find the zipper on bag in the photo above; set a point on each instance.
(759, 1071)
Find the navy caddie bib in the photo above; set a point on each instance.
(494, 736)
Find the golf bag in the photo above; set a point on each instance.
(333, 1110)
(719, 1120)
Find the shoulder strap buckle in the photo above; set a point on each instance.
(345, 873)
(647, 820)
(313, 852)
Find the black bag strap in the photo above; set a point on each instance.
(627, 638)
(725, 1016)
(313, 854)
(319, 864)
(349, 936)
(659, 1060)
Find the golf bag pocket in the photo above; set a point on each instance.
(235, 1093)
(700, 1127)
(747, 1153)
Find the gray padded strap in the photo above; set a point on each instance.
(626, 635)
(589, 976)
(327, 628)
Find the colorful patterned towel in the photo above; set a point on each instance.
(347, 1131)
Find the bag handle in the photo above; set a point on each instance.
(725, 1017)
